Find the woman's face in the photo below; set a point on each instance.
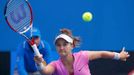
(63, 47)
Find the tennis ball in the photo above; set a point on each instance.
(87, 16)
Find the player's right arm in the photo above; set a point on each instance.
(47, 69)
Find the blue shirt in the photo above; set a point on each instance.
(25, 56)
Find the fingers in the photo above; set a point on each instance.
(127, 54)
(38, 59)
(124, 59)
(123, 49)
(44, 63)
(124, 54)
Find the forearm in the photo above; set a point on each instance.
(45, 69)
(45, 72)
(41, 68)
(107, 54)
(100, 54)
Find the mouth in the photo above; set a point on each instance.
(61, 52)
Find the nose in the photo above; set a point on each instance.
(61, 47)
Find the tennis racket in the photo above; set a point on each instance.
(18, 15)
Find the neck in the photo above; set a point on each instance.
(68, 59)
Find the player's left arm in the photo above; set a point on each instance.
(123, 55)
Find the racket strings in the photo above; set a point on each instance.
(22, 25)
(13, 5)
(22, 20)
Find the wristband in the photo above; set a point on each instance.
(40, 66)
(116, 56)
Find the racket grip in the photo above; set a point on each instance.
(36, 51)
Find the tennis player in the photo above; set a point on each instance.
(74, 63)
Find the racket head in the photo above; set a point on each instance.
(18, 15)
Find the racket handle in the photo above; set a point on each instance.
(36, 51)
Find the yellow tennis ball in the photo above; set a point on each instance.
(87, 16)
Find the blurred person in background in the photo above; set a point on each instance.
(25, 55)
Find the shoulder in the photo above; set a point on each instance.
(45, 43)
(82, 54)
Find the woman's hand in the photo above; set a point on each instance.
(124, 55)
(38, 59)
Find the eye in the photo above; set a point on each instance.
(64, 44)
(58, 45)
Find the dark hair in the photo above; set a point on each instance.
(76, 40)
